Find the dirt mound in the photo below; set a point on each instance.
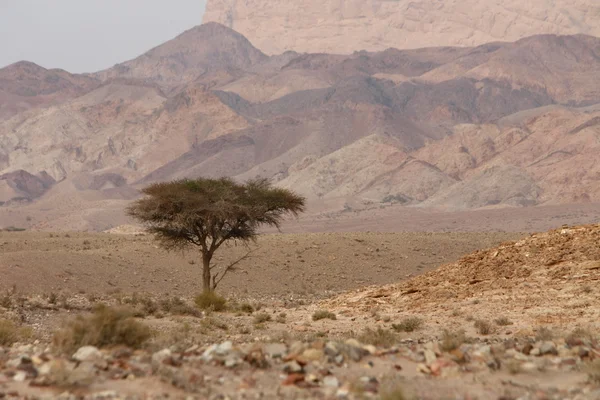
(547, 273)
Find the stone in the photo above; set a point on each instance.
(20, 376)
(292, 367)
(331, 349)
(232, 361)
(331, 381)
(313, 354)
(529, 367)
(548, 348)
(161, 356)
(87, 353)
(224, 348)
(370, 348)
(275, 350)
(430, 356)
(535, 352)
(83, 375)
(423, 368)
(353, 342)
(18, 362)
(293, 379)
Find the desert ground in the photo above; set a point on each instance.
(346, 315)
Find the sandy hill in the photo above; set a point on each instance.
(501, 124)
(542, 279)
(334, 26)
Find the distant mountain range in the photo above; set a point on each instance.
(345, 26)
(500, 124)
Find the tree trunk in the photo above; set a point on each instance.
(206, 272)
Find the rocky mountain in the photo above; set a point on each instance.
(344, 26)
(25, 85)
(454, 128)
(197, 53)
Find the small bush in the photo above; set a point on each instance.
(452, 340)
(484, 327)
(6, 301)
(380, 337)
(281, 318)
(176, 306)
(544, 334)
(212, 323)
(503, 321)
(409, 324)
(246, 308)
(261, 318)
(514, 367)
(323, 314)
(211, 301)
(53, 298)
(107, 326)
(11, 333)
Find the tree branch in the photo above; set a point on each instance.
(229, 268)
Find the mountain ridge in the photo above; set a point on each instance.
(449, 128)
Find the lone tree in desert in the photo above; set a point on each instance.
(209, 212)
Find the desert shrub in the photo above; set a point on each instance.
(261, 318)
(503, 321)
(484, 327)
(246, 308)
(177, 306)
(409, 324)
(6, 300)
(210, 324)
(53, 298)
(10, 333)
(452, 340)
(323, 314)
(544, 334)
(107, 326)
(281, 318)
(378, 337)
(210, 301)
(514, 367)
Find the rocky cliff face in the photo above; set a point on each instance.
(343, 26)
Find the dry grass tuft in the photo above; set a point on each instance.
(261, 318)
(544, 334)
(10, 333)
(211, 301)
(107, 326)
(323, 314)
(177, 306)
(503, 321)
(484, 327)
(409, 324)
(452, 340)
(379, 337)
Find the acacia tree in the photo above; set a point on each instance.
(209, 212)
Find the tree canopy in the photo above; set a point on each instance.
(209, 212)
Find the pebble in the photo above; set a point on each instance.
(331, 381)
(548, 348)
(87, 353)
(275, 350)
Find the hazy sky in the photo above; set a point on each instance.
(89, 35)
